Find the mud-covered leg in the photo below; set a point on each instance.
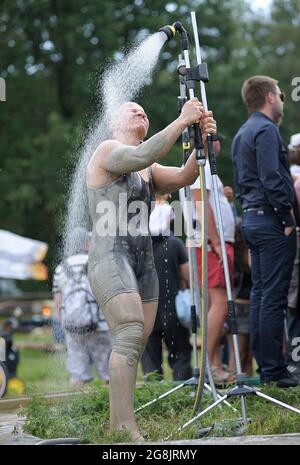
(150, 311)
(124, 314)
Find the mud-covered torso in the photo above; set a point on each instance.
(120, 213)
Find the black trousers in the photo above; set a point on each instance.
(272, 258)
(168, 329)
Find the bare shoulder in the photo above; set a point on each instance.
(96, 174)
(104, 149)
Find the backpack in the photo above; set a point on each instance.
(80, 311)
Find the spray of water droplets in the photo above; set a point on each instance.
(120, 83)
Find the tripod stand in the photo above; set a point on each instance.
(198, 378)
(241, 390)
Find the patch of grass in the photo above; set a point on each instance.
(86, 416)
(42, 334)
(46, 372)
(43, 371)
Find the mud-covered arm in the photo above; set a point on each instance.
(120, 158)
(170, 178)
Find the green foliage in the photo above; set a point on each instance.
(85, 416)
(52, 53)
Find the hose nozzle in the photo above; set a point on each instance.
(170, 31)
(184, 35)
(178, 26)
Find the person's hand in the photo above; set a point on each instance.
(288, 230)
(218, 251)
(228, 192)
(192, 111)
(208, 124)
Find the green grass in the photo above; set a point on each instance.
(43, 334)
(43, 371)
(86, 416)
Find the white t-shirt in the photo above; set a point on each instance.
(295, 170)
(160, 218)
(226, 210)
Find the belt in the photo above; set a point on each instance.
(258, 209)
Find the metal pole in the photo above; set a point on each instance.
(219, 220)
(277, 402)
(192, 420)
(200, 158)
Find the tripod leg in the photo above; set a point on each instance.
(212, 388)
(277, 402)
(207, 386)
(159, 397)
(192, 420)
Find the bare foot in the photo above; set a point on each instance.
(137, 437)
(133, 433)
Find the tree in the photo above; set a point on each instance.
(52, 54)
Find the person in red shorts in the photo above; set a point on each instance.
(217, 312)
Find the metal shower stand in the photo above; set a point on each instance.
(241, 390)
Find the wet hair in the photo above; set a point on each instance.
(254, 91)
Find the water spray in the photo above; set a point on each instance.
(119, 83)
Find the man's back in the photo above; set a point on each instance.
(259, 156)
(265, 191)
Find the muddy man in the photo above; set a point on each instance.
(121, 267)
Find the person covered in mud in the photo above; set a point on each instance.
(122, 177)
